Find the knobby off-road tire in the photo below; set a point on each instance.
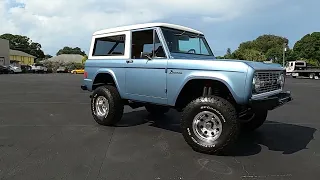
(156, 110)
(253, 121)
(115, 106)
(225, 119)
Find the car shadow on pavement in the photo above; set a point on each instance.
(134, 118)
(276, 136)
(169, 121)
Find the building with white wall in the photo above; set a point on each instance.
(4, 52)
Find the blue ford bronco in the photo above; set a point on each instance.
(163, 66)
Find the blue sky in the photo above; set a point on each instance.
(226, 23)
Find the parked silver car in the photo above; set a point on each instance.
(14, 69)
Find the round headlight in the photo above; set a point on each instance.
(256, 83)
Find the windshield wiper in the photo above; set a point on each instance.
(191, 36)
(180, 34)
(198, 35)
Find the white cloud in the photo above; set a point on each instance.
(56, 23)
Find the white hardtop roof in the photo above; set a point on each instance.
(146, 25)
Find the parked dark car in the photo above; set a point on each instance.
(26, 68)
(4, 70)
(62, 70)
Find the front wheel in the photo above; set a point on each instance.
(106, 105)
(209, 124)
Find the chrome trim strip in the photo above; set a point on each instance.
(266, 94)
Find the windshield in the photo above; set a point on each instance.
(300, 64)
(185, 42)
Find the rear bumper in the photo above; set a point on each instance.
(271, 102)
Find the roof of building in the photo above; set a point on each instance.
(66, 58)
(146, 25)
(19, 53)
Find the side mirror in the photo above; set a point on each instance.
(145, 55)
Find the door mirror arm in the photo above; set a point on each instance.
(146, 55)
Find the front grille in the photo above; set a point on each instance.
(269, 81)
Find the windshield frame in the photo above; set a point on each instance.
(190, 34)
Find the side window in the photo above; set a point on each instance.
(109, 46)
(146, 42)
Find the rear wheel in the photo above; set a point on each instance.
(209, 124)
(106, 105)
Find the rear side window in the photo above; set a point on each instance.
(109, 46)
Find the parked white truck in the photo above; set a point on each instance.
(38, 68)
(302, 69)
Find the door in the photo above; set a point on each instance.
(1, 61)
(146, 69)
(289, 67)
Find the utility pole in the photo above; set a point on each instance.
(284, 53)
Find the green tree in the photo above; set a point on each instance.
(70, 50)
(308, 47)
(24, 44)
(249, 54)
(84, 59)
(275, 54)
(291, 55)
(265, 47)
(228, 55)
(47, 56)
(266, 42)
(220, 57)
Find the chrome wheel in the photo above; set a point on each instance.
(102, 106)
(207, 126)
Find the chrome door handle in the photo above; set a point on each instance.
(129, 61)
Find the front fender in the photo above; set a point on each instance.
(234, 81)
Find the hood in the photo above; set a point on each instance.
(258, 65)
(221, 65)
(253, 64)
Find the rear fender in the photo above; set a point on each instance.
(111, 73)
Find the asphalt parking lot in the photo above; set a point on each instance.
(47, 132)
